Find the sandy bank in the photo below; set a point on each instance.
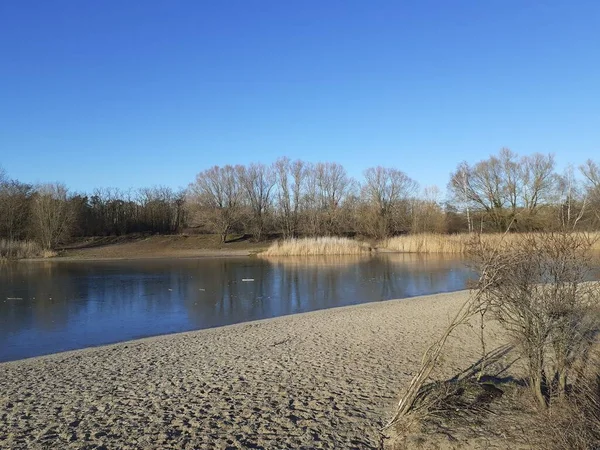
(146, 247)
(324, 379)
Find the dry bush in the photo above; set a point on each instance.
(317, 246)
(537, 288)
(22, 249)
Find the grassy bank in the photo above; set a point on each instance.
(22, 249)
(453, 243)
(327, 246)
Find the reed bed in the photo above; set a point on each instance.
(323, 246)
(22, 249)
(455, 243)
(319, 262)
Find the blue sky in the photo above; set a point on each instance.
(138, 93)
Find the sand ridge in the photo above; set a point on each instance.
(324, 379)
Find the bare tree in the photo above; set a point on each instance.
(538, 180)
(572, 199)
(333, 187)
(385, 189)
(591, 172)
(217, 195)
(459, 188)
(15, 200)
(427, 214)
(291, 177)
(257, 182)
(505, 188)
(52, 214)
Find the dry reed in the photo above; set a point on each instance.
(317, 247)
(455, 243)
(22, 249)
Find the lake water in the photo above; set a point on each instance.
(48, 307)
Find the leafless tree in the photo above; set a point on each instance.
(333, 186)
(427, 214)
(327, 187)
(15, 201)
(591, 172)
(572, 199)
(505, 188)
(538, 180)
(52, 214)
(291, 177)
(385, 189)
(217, 195)
(257, 182)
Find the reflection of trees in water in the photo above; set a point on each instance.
(402, 276)
(217, 295)
(42, 297)
(108, 301)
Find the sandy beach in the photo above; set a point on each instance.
(324, 379)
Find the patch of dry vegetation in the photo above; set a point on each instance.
(22, 250)
(428, 243)
(574, 422)
(461, 243)
(535, 288)
(323, 246)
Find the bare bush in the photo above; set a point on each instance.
(540, 296)
(537, 288)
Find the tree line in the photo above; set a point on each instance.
(298, 198)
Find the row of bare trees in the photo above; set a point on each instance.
(525, 191)
(294, 198)
(297, 198)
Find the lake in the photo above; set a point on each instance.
(52, 306)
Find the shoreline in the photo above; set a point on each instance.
(257, 322)
(174, 255)
(319, 379)
(208, 253)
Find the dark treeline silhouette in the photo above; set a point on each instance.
(297, 198)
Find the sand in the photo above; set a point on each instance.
(151, 247)
(324, 379)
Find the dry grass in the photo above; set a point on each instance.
(22, 249)
(454, 243)
(329, 246)
(573, 423)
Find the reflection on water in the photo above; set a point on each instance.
(54, 306)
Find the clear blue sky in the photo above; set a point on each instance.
(137, 93)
